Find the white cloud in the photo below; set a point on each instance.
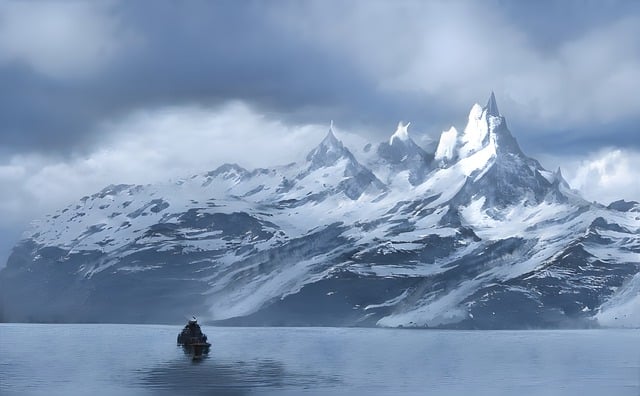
(458, 51)
(61, 39)
(604, 176)
(153, 146)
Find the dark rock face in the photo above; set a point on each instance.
(489, 241)
(406, 155)
(624, 206)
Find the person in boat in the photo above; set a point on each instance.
(193, 329)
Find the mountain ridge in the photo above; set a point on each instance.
(474, 235)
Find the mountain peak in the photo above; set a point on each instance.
(401, 154)
(328, 151)
(492, 107)
(558, 179)
(401, 133)
(330, 139)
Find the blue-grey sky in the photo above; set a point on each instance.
(140, 91)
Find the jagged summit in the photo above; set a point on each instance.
(560, 181)
(485, 129)
(347, 175)
(328, 151)
(400, 154)
(476, 135)
(492, 107)
(500, 172)
(330, 140)
(401, 133)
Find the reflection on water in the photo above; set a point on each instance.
(195, 353)
(234, 378)
(135, 360)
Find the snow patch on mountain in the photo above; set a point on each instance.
(623, 309)
(445, 151)
(401, 133)
(475, 133)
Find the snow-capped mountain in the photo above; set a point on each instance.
(401, 159)
(475, 235)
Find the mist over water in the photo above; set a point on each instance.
(138, 359)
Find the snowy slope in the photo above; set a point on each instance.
(475, 235)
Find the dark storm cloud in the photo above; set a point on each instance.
(214, 52)
(202, 52)
(193, 52)
(550, 22)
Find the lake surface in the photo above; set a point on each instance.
(144, 359)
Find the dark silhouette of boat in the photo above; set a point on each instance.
(193, 340)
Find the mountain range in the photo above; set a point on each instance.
(476, 235)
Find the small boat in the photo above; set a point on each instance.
(193, 340)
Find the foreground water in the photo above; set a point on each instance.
(132, 359)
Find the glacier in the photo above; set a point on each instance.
(475, 235)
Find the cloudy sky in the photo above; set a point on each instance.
(94, 93)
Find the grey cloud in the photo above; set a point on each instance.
(198, 52)
(306, 62)
(584, 79)
(60, 39)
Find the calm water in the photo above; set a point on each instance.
(131, 359)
